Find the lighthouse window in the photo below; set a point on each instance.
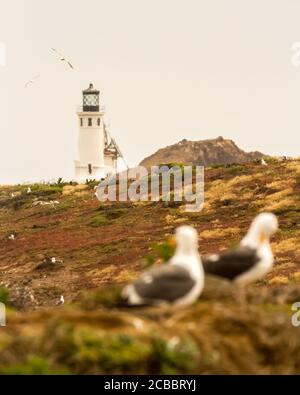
(81, 122)
(90, 168)
(90, 121)
(98, 121)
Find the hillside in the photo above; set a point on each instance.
(217, 151)
(100, 246)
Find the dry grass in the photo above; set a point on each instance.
(284, 266)
(283, 204)
(279, 280)
(295, 166)
(285, 246)
(228, 196)
(296, 276)
(126, 275)
(257, 176)
(280, 185)
(219, 233)
(280, 200)
(280, 195)
(240, 180)
(207, 206)
(172, 219)
(219, 193)
(74, 189)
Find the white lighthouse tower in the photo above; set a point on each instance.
(97, 151)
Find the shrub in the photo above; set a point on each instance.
(181, 357)
(4, 295)
(160, 251)
(99, 220)
(235, 169)
(34, 365)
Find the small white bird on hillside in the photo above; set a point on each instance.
(11, 237)
(178, 282)
(55, 260)
(263, 162)
(61, 300)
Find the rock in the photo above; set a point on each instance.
(217, 151)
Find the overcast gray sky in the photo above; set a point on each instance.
(166, 69)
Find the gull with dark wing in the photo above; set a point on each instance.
(252, 259)
(178, 282)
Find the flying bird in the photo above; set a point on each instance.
(252, 259)
(62, 58)
(31, 81)
(179, 282)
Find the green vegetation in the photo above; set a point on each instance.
(160, 251)
(235, 169)
(92, 183)
(99, 220)
(34, 365)
(82, 351)
(180, 357)
(4, 295)
(109, 296)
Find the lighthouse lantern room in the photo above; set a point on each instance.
(97, 151)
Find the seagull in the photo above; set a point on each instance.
(12, 195)
(49, 263)
(179, 282)
(263, 162)
(63, 58)
(51, 203)
(28, 190)
(31, 297)
(31, 81)
(252, 259)
(61, 300)
(55, 260)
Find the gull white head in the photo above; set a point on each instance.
(261, 230)
(186, 240)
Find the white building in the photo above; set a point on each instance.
(97, 151)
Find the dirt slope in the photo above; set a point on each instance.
(104, 245)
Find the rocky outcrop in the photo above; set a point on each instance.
(217, 151)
